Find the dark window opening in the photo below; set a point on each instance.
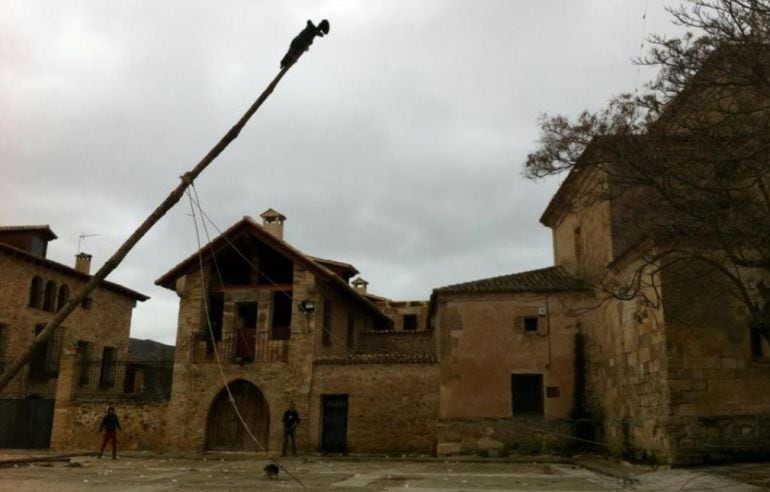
(35, 291)
(530, 323)
(109, 359)
(235, 271)
(84, 354)
(282, 305)
(351, 331)
(410, 322)
(552, 392)
(86, 303)
(132, 383)
(326, 338)
(64, 297)
(215, 316)
(49, 300)
(246, 332)
(254, 263)
(247, 314)
(527, 394)
(274, 268)
(757, 350)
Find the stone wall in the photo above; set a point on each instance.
(719, 392)
(340, 341)
(582, 238)
(106, 323)
(502, 437)
(627, 375)
(396, 342)
(143, 426)
(391, 407)
(76, 424)
(483, 343)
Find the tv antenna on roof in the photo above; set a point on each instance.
(82, 236)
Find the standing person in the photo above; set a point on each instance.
(110, 425)
(290, 423)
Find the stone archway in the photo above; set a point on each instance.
(223, 428)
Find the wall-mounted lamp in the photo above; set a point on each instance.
(307, 306)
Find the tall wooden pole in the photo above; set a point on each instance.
(134, 238)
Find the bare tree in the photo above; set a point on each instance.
(685, 164)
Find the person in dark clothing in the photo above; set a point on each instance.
(304, 39)
(110, 425)
(290, 423)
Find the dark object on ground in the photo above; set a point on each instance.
(271, 471)
(304, 39)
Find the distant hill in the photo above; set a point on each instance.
(149, 350)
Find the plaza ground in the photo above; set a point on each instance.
(224, 471)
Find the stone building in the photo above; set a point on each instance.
(35, 409)
(674, 374)
(507, 353)
(265, 324)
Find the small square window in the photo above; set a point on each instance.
(552, 392)
(530, 323)
(410, 322)
(86, 303)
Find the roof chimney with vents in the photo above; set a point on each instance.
(360, 285)
(273, 221)
(83, 263)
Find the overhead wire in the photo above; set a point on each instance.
(204, 296)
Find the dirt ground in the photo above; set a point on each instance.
(237, 472)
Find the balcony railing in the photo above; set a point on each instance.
(99, 380)
(243, 347)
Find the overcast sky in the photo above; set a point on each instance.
(396, 143)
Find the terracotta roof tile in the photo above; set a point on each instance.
(551, 279)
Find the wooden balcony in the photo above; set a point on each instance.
(244, 347)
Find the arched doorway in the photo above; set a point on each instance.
(225, 431)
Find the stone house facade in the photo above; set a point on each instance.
(267, 325)
(37, 406)
(507, 347)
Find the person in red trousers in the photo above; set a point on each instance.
(110, 426)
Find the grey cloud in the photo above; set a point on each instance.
(396, 143)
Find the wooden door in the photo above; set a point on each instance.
(224, 429)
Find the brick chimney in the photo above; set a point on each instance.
(273, 221)
(360, 285)
(83, 263)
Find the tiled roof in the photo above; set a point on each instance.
(45, 229)
(551, 279)
(250, 226)
(378, 359)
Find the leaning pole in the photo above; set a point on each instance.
(161, 210)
